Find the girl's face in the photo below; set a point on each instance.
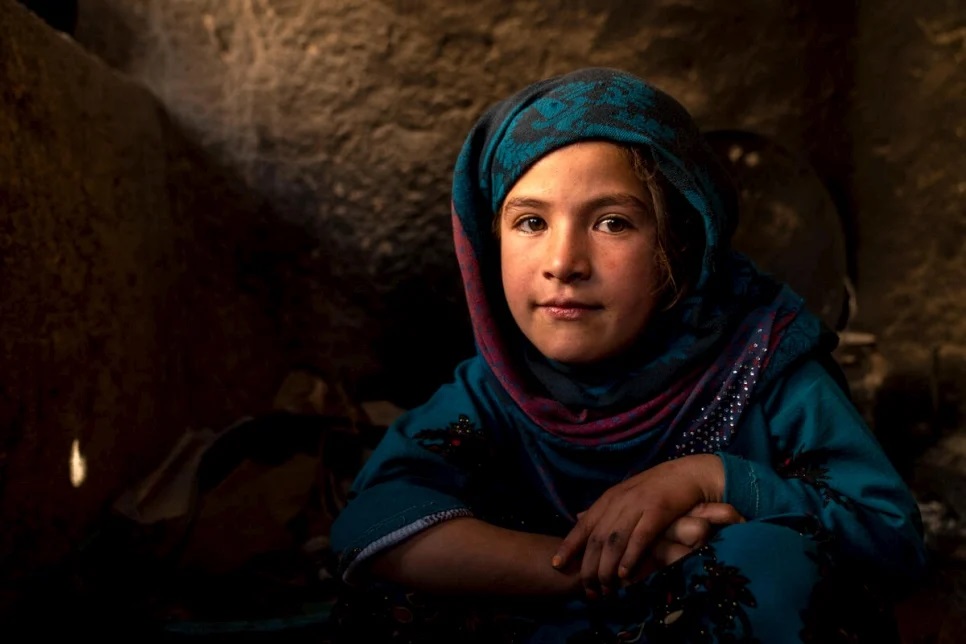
(578, 248)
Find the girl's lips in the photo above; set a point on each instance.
(569, 311)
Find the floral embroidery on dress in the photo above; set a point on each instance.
(707, 606)
(809, 466)
(460, 442)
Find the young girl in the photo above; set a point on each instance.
(649, 445)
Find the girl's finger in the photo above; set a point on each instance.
(641, 538)
(589, 567)
(613, 547)
(717, 513)
(573, 543)
(688, 531)
(665, 553)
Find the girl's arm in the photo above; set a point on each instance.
(410, 517)
(466, 555)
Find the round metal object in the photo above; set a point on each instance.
(788, 224)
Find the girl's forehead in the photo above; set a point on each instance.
(600, 160)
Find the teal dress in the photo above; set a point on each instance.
(738, 368)
(805, 471)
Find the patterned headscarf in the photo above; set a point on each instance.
(734, 329)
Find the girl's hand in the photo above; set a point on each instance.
(686, 534)
(629, 518)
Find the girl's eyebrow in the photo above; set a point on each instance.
(523, 203)
(603, 201)
(624, 199)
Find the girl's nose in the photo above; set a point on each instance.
(566, 257)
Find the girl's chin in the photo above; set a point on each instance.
(572, 355)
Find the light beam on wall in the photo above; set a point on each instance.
(78, 464)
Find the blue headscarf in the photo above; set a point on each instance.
(735, 325)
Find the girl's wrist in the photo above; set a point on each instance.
(710, 475)
(716, 479)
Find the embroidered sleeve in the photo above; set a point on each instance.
(811, 466)
(423, 472)
(813, 455)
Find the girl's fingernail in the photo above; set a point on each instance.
(556, 561)
(622, 572)
(591, 594)
(605, 590)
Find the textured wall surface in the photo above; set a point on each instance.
(349, 115)
(134, 301)
(910, 170)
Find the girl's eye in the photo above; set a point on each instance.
(613, 224)
(530, 224)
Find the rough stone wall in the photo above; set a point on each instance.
(909, 149)
(909, 126)
(136, 299)
(349, 114)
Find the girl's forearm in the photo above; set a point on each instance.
(467, 555)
